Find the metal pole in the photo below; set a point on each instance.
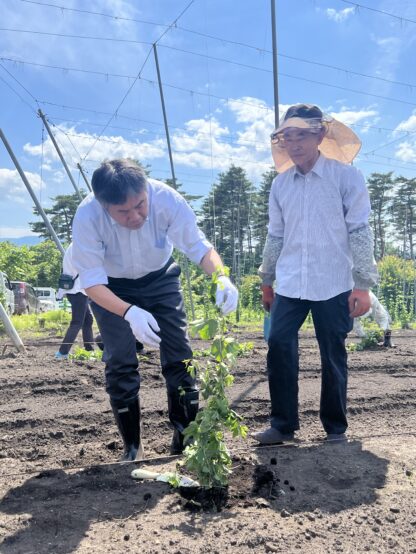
(165, 120)
(275, 74)
(10, 330)
(84, 177)
(172, 169)
(41, 115)
(32, 194)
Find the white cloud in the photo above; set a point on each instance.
(12, 188)
(339, 15)
(106, 147)
(406, 151)
(408, 125)
(349, 117)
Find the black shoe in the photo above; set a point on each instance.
(387, 339)
(183, 409)
(99, 342)
(127, 417)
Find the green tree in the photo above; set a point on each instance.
(46, 264)
(404, 214)
(261, 213)
(225, 218)
(380, 186)
(61, 215)
(15, 261)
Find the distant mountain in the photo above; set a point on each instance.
(30, 240)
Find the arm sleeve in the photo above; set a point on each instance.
(185, 234)
(364, 269)
(271, 253)
(88, 251)
(357, 208)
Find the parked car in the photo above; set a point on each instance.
(7, 293)
(25, 299)
(47, 299)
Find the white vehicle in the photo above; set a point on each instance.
(47, 298)
(6, 293)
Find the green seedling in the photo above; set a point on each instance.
(207, 455)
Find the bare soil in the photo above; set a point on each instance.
(63, 491)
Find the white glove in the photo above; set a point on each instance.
(143, 325)
(226, 296)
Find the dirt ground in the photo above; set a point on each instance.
(63, 491)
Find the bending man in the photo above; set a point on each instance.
(124, 233)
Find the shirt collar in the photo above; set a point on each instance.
(318, 168)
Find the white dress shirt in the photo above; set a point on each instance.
(314, 214)
(103, 248)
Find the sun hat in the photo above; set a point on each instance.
(339, 143)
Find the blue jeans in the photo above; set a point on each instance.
(332, 323)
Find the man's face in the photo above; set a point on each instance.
(133, 213)
(302, 146)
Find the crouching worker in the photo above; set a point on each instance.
(380, 315)
(124, 233)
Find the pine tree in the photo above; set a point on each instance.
(225, 218)
(62, 213)
(261, 213)
(380, 186)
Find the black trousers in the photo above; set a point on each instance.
(160, 294)
(81, 319)
(332, 323)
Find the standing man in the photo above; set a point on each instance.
(319, 249)
(81, 316)
(380, 315)
(124, 233)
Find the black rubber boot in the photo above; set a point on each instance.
(183, 409)
(128, 422)
(387, 339)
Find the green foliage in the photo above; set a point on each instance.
(372, 338)
(207, 455)
(39, 265)
(82, 354)
(397, 288)
(250, 292)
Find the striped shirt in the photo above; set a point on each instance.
(102, 248)
(314, 214)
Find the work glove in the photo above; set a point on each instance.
(143, 325)
(267, 297)
(226, 297)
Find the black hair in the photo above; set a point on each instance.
(116, 180)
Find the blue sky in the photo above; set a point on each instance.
(101, 97)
